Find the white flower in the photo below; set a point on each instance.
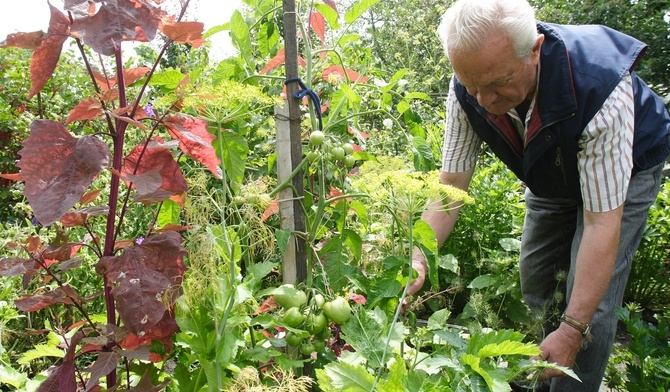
(388, 123)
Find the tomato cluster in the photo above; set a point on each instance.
(308, 322)
(334, 153)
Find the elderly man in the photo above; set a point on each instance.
(562, 107)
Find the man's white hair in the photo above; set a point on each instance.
(467, 24)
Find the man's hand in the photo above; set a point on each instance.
(560, 347)
(419, 265)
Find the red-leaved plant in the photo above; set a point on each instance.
(142, 279)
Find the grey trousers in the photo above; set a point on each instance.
(551, 236)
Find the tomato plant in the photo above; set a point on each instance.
(337, 310)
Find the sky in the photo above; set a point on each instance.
(33, 15)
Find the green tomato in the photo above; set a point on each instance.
(312, 156)
(337, 153)
(337, 310)
(307, 348)
(318, 300)
(293, 317)
(316, 138)
(349, 161)
(293, 340)
(315, 323)
(288, 296)
(319, 345)
(348, 148)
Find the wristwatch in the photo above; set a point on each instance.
(585, 329)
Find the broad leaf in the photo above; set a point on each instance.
(329, 14)
(87, 109)
(153, 172)
(358, 9)
(30, 40)
(394, 381)
(58, 168)
(113, 22)
(46, 56)
(232, 149)
(318, 24)
(195, 141)
(105, 364)
(342, 376)
(147, 279)
(241, 36)
(367, 332)
(185, 32)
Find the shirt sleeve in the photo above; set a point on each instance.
(605, 158)
(462, 145)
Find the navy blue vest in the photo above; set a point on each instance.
(580, 67)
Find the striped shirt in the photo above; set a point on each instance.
(605, 156)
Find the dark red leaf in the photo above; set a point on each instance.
(12, 177)
(341, 72)
(70, 264)
(114, 21)
(148, 280)
(162, 332)
(14, 266)
(318, 23)
(89, 196)
(46, 56)
(278, 60)
(195, 141)
(58, 168)
(105, 364)
(185, 32)
(34, 302)
(80, 216)
(87, 109)
(31, 40)
(157, 165)
(62, 253)
(331, 3)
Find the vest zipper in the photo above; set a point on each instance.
(559, 163)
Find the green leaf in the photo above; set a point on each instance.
(418, 95)
(367, 332)
(397, 374)
(268, 38)
(240, 36)
(510, 244)
(508, 348)
(361, 211)
(448, 262)
(423, 155)
(167, 81)
(483, 281)
(394, 80)
(425, 235)
(40, 351)
(358, 9)
(168, 214)
(11, 376)
(283, 237)
(438, 320)
(232, 149)
(354, 241)
(344, 377)
(329, 14)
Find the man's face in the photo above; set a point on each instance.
(495, 76)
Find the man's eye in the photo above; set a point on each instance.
(500, 83)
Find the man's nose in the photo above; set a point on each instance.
(486, 96)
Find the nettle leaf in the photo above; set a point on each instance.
(508, 348)
(367, 332)
(114, 21)
(40, 351)
(195, 141)
(153, 172)
(58, 168)
(46, 56)
(147, 279)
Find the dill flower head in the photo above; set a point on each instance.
(391, 182)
